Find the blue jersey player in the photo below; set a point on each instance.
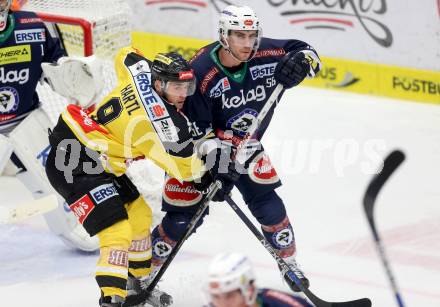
(231, 283)
(25, 43)
(236, 76)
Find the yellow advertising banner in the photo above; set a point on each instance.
(338, 74)
(152, 43)
(378, 79)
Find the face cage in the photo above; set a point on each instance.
(170, 87)
(225, 44)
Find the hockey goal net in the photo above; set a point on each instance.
(101, 28)
(85, 27)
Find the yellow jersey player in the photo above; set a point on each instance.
(91, 150)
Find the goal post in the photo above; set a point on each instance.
(85, 27)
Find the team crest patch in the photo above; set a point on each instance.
(180, 194)
(261, 170)
(161, 248)
(283, 238)
(241, 122)
(8, 100)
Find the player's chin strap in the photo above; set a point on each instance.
(215, 186)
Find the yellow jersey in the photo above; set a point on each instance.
(134, 122)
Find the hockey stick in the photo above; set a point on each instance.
(390, 164)
(288, 274)
(28, 209)
(165, 299)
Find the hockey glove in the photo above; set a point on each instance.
(292, 69)
(221, 168)
(227, 180)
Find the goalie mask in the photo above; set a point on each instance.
(175, 75)
(234, 23)
(79, 79)
(4, 11)
(229, 272)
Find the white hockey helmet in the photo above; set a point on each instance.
(4, 10)
(231, 271)
(238, 18)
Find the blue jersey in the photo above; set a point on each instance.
(232, 100)
(24, 45)
(275, 298)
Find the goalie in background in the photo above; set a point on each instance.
(25, 43)
(231, 283)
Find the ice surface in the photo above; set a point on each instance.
(324, 145)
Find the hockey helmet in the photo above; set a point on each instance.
(4, 10)
(238, 18)
(231, 271)
(174, 73)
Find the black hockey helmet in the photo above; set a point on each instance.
(174, 72)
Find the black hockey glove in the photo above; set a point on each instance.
(292, 69)
(221, 168)
(228, 180)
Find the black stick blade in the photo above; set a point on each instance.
(390, 164)
(363, 302)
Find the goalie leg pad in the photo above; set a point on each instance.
(32, 148)
(5, 151)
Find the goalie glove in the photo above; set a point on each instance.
(79, 79)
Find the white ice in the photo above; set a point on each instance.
(324, 145)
